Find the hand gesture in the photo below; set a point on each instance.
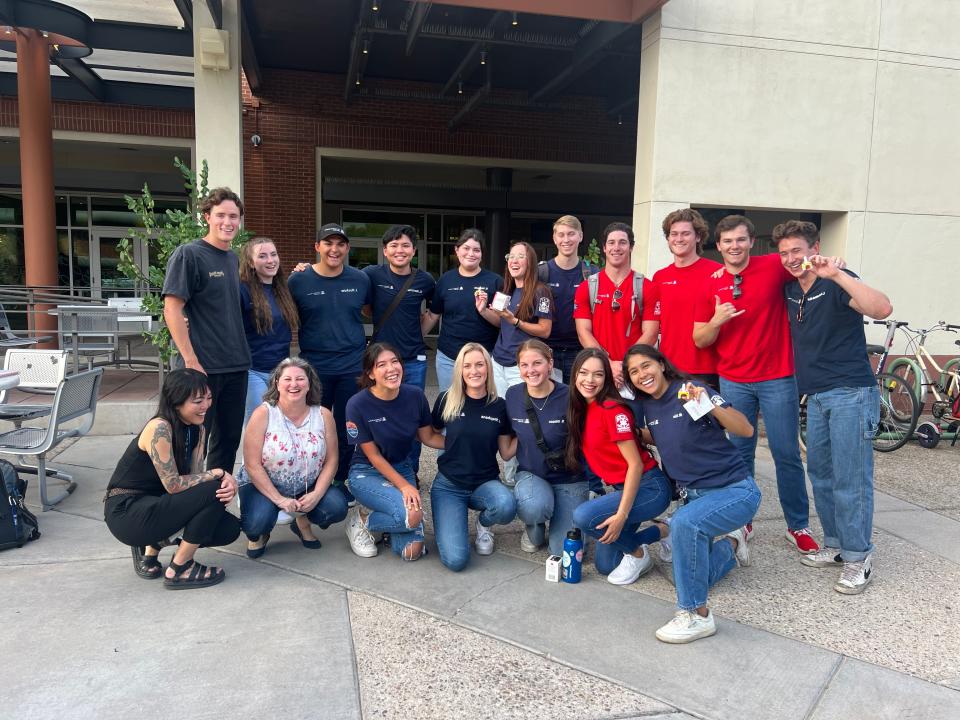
(194, 364)
(480, 300)
(289, 505)
(693, 392)
(301, 266)
(614, 525)
(724, 312)
(411, 497)
(228, 488)
(505, 314)
(308, 502)
(826, 266)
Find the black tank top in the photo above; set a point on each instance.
(136, 471)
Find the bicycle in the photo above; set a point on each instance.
(899, 407)
(918, 368)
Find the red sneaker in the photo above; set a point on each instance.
(748, 531)
(803, 540)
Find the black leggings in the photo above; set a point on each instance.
(146, 519)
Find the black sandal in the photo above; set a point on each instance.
(195, 579)
(146, 566)
(309, 544)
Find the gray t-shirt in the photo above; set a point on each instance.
(208, 280)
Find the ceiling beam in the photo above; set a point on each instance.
(420, 11)
(356, 50)
(216, 12)
(472, 57)
(472, 104)
(625, 11)
(90, 81)
(185, 8)
(114, 92)
(105, 35)
(248, 54)
(588, 52)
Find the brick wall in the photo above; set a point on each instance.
(104, 118)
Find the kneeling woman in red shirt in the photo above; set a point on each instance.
(601, 429)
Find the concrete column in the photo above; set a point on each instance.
(36, 169)
(498, 220)
(218, 107)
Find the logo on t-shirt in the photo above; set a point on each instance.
(717, 400)
(622, 422)
(379, 419)
(216, 273)
(489, 417)
(352, 429)
(543, 305)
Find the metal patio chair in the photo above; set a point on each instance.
(41, 370)
(76, 398)
(9, 337)
(90, 331)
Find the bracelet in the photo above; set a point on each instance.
(517, 323)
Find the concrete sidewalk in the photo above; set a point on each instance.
(326, 634)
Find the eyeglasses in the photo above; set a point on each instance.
(615, 303)
(737, 282)
(509, 258)
(803, 299)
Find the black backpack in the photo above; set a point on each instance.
(17, 524)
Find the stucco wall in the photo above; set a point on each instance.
(850, 109)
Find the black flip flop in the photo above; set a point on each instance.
(309, 544)
(145, 566)
(195, 578)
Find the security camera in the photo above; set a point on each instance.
(256, 140)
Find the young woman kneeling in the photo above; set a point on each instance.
(717, 493)
(600, 427)
(383, 420)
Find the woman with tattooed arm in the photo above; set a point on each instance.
(159, 487)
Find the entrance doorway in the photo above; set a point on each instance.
(106, 280)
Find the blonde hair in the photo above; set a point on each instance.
(457, 394)
(569, 221)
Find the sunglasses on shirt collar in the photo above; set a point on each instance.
(737, 282)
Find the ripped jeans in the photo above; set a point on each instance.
(385, 502)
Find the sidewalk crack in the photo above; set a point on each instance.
(483, 592)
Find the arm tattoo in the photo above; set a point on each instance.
(161, 454)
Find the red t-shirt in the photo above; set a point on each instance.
(610, 326)
(607, 424)
(676, 292)
(755, 346)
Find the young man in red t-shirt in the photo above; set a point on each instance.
(615, 322)
(677, 287)
(742, 315)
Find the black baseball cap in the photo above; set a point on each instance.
(329, 230)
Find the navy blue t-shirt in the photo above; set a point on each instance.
(454, 299)
(553, 426)
(693, 453)
(331, 335)
(829, 346)
(563, 284)
(470, 449)
(390, 424)
(402, 329)
(511, 337)
(266, 351)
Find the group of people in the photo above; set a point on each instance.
(606, 395)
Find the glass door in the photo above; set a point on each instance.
(106, 280)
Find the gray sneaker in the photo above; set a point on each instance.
(686, 627)
(826, 557)
(526, 544)
(743, 550)
(484, 541)
(666, 546)
(855, 576)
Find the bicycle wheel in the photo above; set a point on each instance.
(803, 423)
(908, 370)
(899, 412)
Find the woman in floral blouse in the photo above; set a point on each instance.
(286, 465)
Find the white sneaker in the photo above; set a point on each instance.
(825, 557)
(855, 576)
(484, 541)
(631, 568)
(687, 626)
(284, 518)
(743, 550)
(361, 540)
(666, 545)
(526, 544)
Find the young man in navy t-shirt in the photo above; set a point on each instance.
(405, 326)
(825, 307)
(331, 299)
(563, 275)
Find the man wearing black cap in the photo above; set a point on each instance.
(331, 298)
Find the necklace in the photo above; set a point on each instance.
(540, 408)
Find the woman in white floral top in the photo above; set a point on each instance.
(286, 464)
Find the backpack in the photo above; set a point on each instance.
(17, 524)
(543, 271)
(636, 302)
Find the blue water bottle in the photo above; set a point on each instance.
(572, 561)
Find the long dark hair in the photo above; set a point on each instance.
(262, 316)
(531, 283)
(370, 356)
(577, 405)
(648, 351)
(179, 387)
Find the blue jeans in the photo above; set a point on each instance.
(563, 361)
(387, 511)
(841, 424)
(256, 387)
(444, 365)
(505, 377)
(336, 390)
(450, 503)
(653, 497)
(258, 514)
(415, 373)
(698, 561)
(538, 502)
(780, 404)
